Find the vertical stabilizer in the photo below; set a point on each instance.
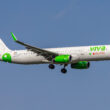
(3, 47)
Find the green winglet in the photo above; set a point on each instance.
(13, 36)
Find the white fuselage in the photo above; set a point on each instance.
(82, 53)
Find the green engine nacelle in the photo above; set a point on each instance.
(81, 65)
(62, 59)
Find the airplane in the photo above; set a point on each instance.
(76, 57)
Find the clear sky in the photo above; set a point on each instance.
(55, 23)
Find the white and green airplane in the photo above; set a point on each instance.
(77, 57)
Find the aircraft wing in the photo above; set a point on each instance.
(49, 55)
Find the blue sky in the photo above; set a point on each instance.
(55, 23)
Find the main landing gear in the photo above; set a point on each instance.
(63, 70)
(51, 66)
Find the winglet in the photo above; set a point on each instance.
(13, 36)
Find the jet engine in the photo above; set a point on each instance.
(81, 65)
(62, 59)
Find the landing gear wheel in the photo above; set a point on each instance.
(51, 66)
(64, 70)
